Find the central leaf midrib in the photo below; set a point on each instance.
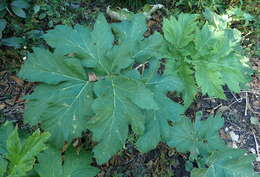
(114, 108)
(69, 107)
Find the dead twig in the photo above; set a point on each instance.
(246, 108)
(236, 101)
(256, 145)
(141, 65)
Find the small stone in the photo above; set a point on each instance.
(234, 136)
(258, 159)
(226, 129)
(252, 150)
(234, 145)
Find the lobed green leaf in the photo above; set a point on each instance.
(74, 165)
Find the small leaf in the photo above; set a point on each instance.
(2, 26)
(42, 15)
(36, 9)
(13, 42)
(215, 19)
(20, 4)
(19, 12)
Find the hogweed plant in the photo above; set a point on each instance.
(89, 81)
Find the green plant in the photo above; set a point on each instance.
(14, 7)
(107, 80)
(245, 18)
(238, 14)
(206, 57)
(17, 156)
(212, 157)
(96, 75)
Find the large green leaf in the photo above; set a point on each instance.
(157, 121)
(118, 105)
(200, 137)
(227, 162)
(205, 57)
(217, 63)
(74, 165)
(21, 156)
(63, 112)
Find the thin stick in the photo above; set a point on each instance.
(141, 65)
(218, 106)
(246, 104)
(237, 99)
(256, 145)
